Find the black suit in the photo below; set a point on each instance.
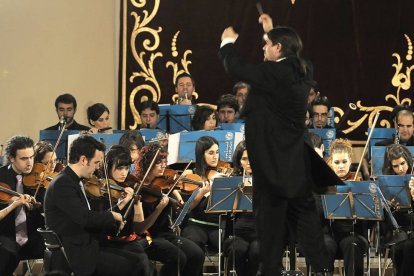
(73, 126)
(67, 213)
(10, 251)
(284, 165)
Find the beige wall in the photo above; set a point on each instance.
(48, 47)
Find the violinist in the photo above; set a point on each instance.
(18, 236)
(68, 214)
(339, 239)
(173, 251)
(98, 119)
(399, 161)
(245, 245)
(202, 228)
(118, 161)
(133, 141)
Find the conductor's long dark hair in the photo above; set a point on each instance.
(291, 46)
(203, 144)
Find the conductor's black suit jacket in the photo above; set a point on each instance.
(281, 158)
(67, 213)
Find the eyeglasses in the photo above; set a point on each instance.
(322, 115)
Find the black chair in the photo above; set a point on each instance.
(55, 258)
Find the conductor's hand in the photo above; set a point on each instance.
(229, 33)
(266, 22)
(118, 217)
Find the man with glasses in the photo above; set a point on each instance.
(320, 113)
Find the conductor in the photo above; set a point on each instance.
(276, 137)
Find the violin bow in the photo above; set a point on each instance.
(50, 158)
(366, 145)
(179, 178)
(138, 188)
(108, 188)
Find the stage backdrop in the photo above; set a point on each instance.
(362, 51)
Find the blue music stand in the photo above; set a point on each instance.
(233, 126)
(151, 134)
(51, 137)
(327, 135)
(380, 134)
(107, 139)
(229, 194)
(163, 123)
(188, 140)
(377, 158)
(395, 188)
(180, 117)
(357, 200)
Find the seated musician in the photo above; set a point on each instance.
(245, 245)
(185, 88)
(118, 161)
(227, 108)
(98, 119)
(150, 114)
(175, 252)
(133, 141)
(68, 214)
(399, 161)
(205, 118)
(19, 218)
(202, 228)
(65, 105)
(403, 123)
(352, 247)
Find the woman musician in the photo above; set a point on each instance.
(176, 253)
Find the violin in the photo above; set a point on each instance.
(39, 176)
(224, 168)
(6, 194)
(97, 188)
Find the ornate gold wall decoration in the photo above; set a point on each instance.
(401, 81)
(184, 63)
(293, 1)
(146, 65)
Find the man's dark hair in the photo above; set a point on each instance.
(397, 109)
(229, 100)
(149, 104)
(132, 138)
(67, 99)
(95, 111)
(315, 139)
(291, 45)
(200, 116)
(321, 101)
(16, 143)
(182, 75)
(84, 145)
(239, 85)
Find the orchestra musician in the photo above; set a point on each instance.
(128, 239)
(133, 141)
(65, 105)
(245, 245)
(399, 161)
(205, 118)
(19, 219)
(68, 214)
(202, 228)
(98, 119)
(338, 238)
(173, 251)
(282, 195)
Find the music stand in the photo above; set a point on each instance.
(230, 194)
(358, 200)
(395, 189)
